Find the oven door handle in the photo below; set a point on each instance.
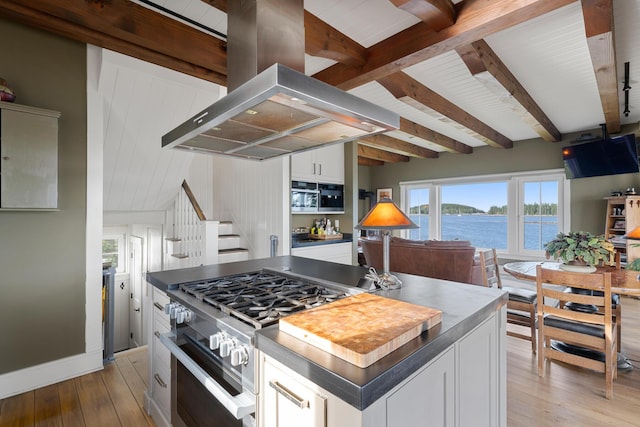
(239, 406)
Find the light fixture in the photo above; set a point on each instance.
(386, 216)
(633, 234)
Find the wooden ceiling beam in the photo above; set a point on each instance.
(417, 95)
(437, 14)
(476, 19)
(449, 144)
(487, 67)
(399, 146)
(364, 161)
(126, 28)
(377, 154)
(321, 39)
(324, 41)
(598, 24)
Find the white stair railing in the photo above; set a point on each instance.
(195, 239)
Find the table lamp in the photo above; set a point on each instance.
(386, 216)
(635, 263)
(633, 234)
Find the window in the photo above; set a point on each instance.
(419, 212)
(514, 213)
(540, 213)
(475, 212)
(113, 250)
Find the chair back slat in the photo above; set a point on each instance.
(490, 268)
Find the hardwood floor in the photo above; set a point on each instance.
(571, 396)
(111, 397)
(566, 396)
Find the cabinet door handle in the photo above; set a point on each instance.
(301, 403)
(159, 381)
(320, 168)
(157, 334)
(158, 306)
(314, 168)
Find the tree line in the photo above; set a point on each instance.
(455, 209)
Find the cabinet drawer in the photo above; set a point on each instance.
(160, 352)
(161, 389)
(160, 299)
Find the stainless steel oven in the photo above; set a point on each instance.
(211, 374)
(331, 197)
(304, 197)
(213, 324)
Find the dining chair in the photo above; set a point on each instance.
(521, 307)
(616, 306)
(591, 330)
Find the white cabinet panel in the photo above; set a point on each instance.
(320, 165)
(159, 392)
(428, 396)
(478, 379)
(334, 252)
(28, 157)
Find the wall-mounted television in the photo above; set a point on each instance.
(602, 157)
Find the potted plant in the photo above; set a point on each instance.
(580, 250)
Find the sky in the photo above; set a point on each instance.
(484, 195)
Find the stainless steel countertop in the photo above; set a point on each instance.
(464, 307)
(298, 242)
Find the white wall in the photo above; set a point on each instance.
(254, 196)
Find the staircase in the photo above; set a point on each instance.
(229, 249)
(194, 240)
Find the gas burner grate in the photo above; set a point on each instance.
(261, 298)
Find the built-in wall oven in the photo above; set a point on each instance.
(304, 197)
(331, 197)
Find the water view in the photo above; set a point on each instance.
(488, 231)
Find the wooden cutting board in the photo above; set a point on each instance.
(361, 329)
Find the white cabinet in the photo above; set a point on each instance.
(462, 386)
(321, 165)
(287, 402)
(159, 389)
(28, 157)
(333, 252)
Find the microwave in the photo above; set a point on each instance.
(304, 197)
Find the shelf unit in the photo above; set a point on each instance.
(623, 215)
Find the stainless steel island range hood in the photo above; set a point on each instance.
(280, 110)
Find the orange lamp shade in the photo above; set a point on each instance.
(633, 234)
(385, 215)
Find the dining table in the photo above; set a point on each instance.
(623, 281)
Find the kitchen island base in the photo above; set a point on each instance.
(463, 385)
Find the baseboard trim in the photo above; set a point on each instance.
(28, 379)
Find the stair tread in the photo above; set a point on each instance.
(181, 256)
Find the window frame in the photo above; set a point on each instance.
(515, 204)
(121, 236)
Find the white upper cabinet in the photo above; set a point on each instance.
(320, 165)
(28, 157)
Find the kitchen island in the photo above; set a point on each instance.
(452, 374)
